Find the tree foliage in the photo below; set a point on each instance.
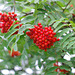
(55, 13)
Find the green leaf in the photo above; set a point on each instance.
(17, 38)
(39, 63)
(28, 19)
(70, 44)
(19, 0)
(66, 37)
(58, 22)
(51, 16)
(14, 26)
(19, 7)
(26, 46)
(36, 1)
(68, 41)
(47, 8)
(61, 60)
(24, 27)
(59, 27)
(51, 22)
(11, 38)
(65, 67)
(42, 10)
(60, 4)
(63, 14)
(51, 73)
(24, 54)
(53, 68)
(63, 31)
(74, 50)
(7, 35)
(15, 47)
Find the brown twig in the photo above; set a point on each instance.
(28, 13)
(67, 5)
(59, 6)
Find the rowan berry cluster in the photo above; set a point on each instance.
(58, 69)
(14, 53)
(6, 21)
(43, 37)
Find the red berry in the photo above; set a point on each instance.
(0, 13)
(12, 12)
(20, 25)
(0, 25)
(15, 19)
(71, 5)
(42, 37)
(6, 22)
(11, 54)
(39, 23)
(23, 31)
(17, 53)
(45, 50)
(15, 15)
(58, 39)
(60, 70)
(9, 13)
(40, 26)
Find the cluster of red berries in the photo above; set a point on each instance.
(58, 69)
(43, 37)
(6, 21)
(14, 53)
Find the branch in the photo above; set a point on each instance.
(67, 5)
(28, 13)
(59, 6)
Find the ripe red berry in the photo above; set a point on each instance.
(11, 54)
(12, 12)
(71, 5)
(0, 13)
(15, 15)
(9, 13)
(15, 19)
(58, 69)
(39, 23)
(6, 22)
(43, 37)
(17, 53)
(58, 39)
(0, 25)
(45, 50)
(14, 53)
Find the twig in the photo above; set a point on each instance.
(28, 13)
(67, 5)
(59, 6)
(14, 5)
